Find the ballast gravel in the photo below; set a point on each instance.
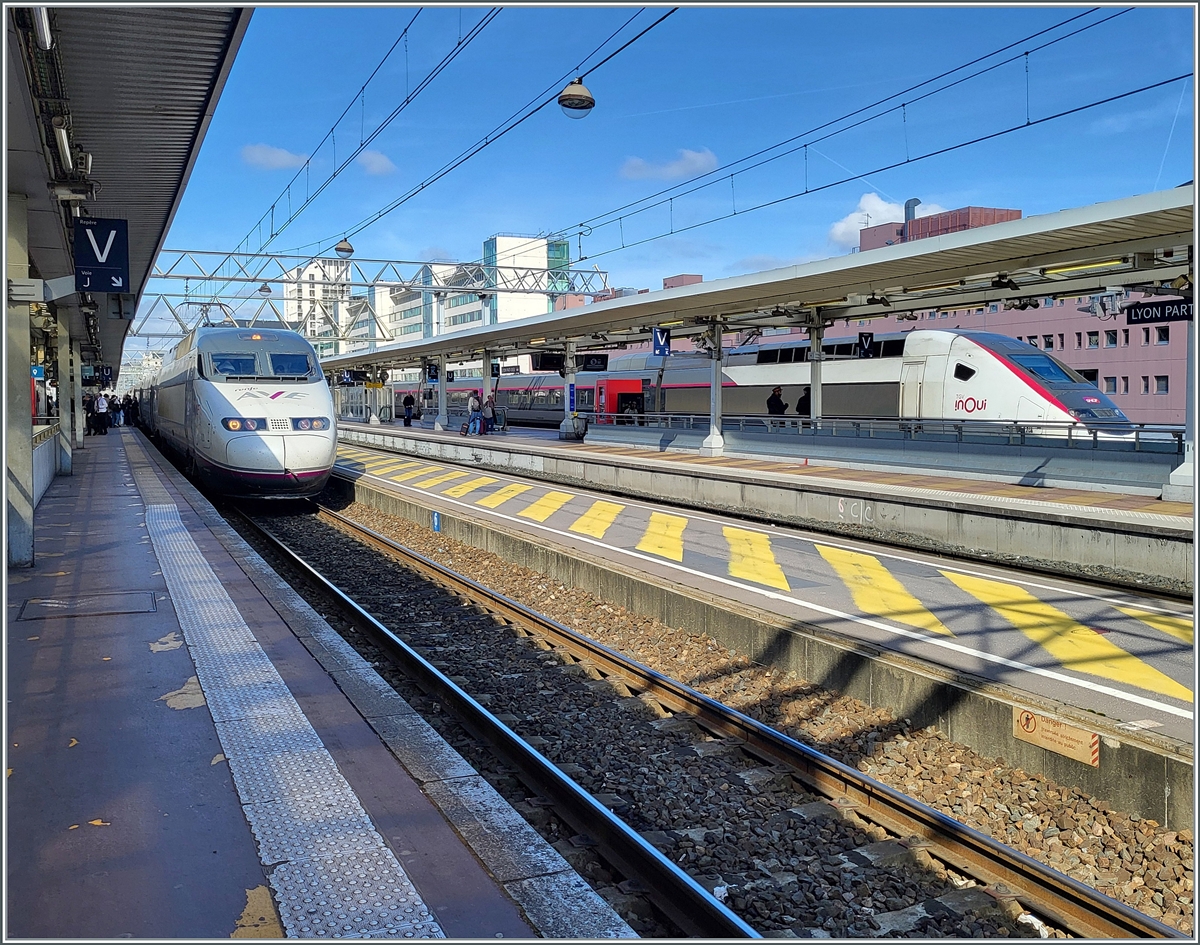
(774, 866)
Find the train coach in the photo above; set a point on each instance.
(923, 374)
(247, 409)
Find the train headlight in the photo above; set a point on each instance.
(310, 423)
(244, 423)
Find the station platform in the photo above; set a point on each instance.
(193, 753)
(1123, 538)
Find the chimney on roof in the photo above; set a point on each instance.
(910, 213)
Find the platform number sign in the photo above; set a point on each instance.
(866, 344)
(662, 342)
(101, 255)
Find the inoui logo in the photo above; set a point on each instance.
(970, 404)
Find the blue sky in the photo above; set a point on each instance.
(703, 89)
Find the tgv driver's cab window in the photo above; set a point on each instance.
(234, 365)
(1045, 367)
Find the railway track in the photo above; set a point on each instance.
(905, 834)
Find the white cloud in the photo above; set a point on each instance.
(376, 162)
(271, 158)
(689, 164)
(872, 210)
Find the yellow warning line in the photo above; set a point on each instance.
(546, 506)
(438, 480)
(751, 558)
(385, 468)
(1071, 643)
(664, 536)
(469, 486)
(596, 520)
(500, 496)
(414, 473)
(1178, 627)
(876, 591)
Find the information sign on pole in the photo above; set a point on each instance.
(1168, 310)
(101, 255)
(571, 396)
(662, 342)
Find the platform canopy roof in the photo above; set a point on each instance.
(1141, 241)
(135, 88)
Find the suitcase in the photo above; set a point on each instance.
(463, 431)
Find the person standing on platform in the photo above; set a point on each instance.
(804, 404)
(775, 404)
(89, 414)
(474, 417)
(408, 403)
(489, 415)
(102, 414)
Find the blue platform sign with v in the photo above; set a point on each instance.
(661, 342)
(101, 255)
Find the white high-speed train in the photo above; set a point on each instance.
(248, 409)
(923, 374)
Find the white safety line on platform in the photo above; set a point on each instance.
(331, 871)
(827, 611)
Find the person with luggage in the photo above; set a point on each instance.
(408, 403)
(474, 414)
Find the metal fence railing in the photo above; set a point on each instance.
(1120, 437)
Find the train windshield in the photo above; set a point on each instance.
(1047, 369)
(290, 365)
(240, 365)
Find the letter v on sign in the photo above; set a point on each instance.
(101, 257)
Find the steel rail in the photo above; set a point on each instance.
(677, 894)
(1068, 903)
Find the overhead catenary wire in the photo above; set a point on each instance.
(888, 167)
(607, 218)
(421, 86)
(361, 94)
(498, 132)
(674, 192)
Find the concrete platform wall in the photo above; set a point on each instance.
(1149, 776)
(1043, 535)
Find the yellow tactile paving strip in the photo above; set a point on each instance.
(1078, 497)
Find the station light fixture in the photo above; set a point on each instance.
(344, 249)
(64, 143)
(575, 100)
(264, 290)
(936, 288)
(1082, 267)
(41, 27)
(1003, 281)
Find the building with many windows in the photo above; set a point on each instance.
(411, 311)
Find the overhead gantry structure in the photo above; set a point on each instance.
(1142, 243)
(206, 287)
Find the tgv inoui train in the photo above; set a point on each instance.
(248, 409)
(920, 374)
